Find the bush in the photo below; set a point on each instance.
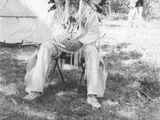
(120, 6)
(151, 8)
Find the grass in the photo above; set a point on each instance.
(132, 89)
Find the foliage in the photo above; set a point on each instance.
(151, 7)
(120, 6)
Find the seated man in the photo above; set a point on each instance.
(80, 31)
(132, 12)
(135, 14)
(139, 6)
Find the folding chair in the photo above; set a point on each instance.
(59, 65)
(81, 62)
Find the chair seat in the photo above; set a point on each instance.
(69, 67)
(61, 65)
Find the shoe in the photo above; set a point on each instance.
(92, 100)
(32, 96)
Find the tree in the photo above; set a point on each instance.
(151, 9)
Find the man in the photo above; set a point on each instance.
(71, 31)
(132, 12)
(139, 6)
(135, 13)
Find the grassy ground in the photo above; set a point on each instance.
(132, 90)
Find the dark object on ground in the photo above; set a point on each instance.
(19, 44)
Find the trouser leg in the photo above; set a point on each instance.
(95, 74)
(139, 15)
(131, 16)
(140, 11)
(37, 72)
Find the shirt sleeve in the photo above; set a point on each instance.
(92, 26)
(58, 30)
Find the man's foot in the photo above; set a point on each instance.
(92, 100)
(32, 96)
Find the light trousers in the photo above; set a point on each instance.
(135, 16)
(39, 63)
(132, 15)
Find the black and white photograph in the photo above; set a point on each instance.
(79, 59)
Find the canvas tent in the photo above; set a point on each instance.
(28, 21)
(18, 22)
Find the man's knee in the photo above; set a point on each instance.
(90, 49)
(46, 45)
(90, 53)
(50, 48)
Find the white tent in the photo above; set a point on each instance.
(18, 21)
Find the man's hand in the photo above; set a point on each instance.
(84, 29)
(72, 45)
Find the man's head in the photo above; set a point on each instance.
(93, 1)
(73, 6)
(96, 5)
(55, 4)
(59, 2)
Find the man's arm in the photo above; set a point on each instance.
(75, 44)
(84, 32)
(92, 27)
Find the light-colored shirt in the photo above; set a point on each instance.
(61, 31)
(132, 3)
(90, 18)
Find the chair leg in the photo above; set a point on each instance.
(82, 75)
(60, 72)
